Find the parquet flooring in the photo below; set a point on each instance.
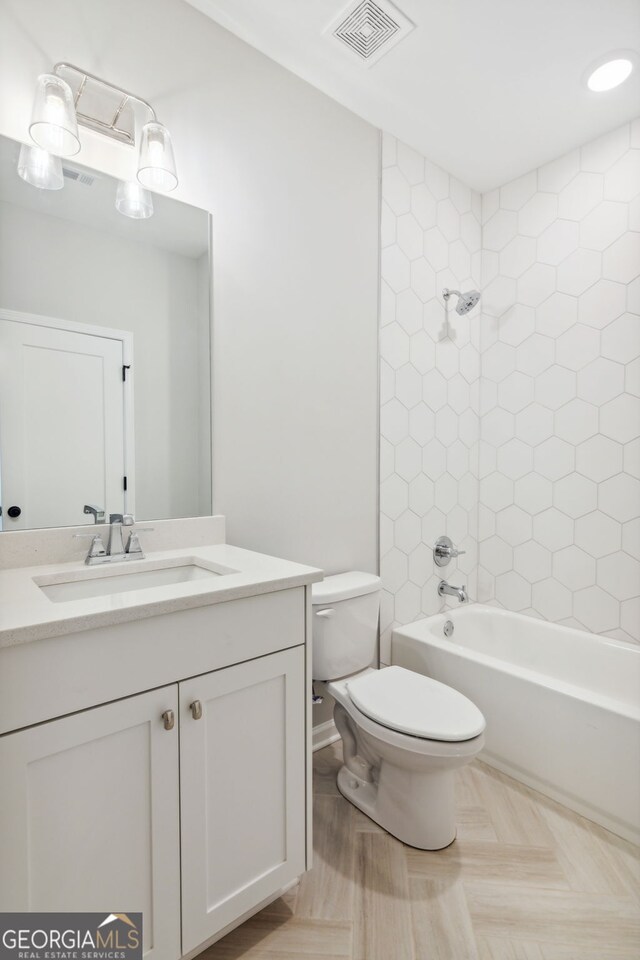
(526, 879)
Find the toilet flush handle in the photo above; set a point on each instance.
(329, 612)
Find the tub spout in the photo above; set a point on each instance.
(447, 590)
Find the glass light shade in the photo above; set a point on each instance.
(53, 122)
(133, 201)
(609, 75)
(156, 165)
(40, 168)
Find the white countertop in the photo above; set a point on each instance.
(27, 614)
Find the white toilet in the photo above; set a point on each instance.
(403, 734)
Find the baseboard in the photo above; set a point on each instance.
(324, 734)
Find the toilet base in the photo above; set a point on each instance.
(431, 830)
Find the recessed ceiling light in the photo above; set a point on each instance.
(609, 74)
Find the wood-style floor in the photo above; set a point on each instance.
(526, 879)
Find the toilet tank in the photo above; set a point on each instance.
(345, 624)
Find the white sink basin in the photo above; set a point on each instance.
(101, 583)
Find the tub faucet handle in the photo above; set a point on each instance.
(444, 551)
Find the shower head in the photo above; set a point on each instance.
(466, 301)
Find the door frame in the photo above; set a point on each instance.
(124, 337)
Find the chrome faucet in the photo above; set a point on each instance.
(116, 549)
(447, 590)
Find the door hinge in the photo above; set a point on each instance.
(125, 367)
(124, 483)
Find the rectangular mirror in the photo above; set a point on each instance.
(104, 353)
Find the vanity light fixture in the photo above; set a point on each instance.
(70, 96)
(609, 73)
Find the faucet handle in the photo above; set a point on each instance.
(444, 551)
(97, 548)
(127, 520)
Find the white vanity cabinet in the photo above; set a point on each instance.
(186, 802)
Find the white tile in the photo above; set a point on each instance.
(631, 538)
(620, 418)
(576, 421)
(518, 255)
(619, 575)
(598, 534)
(447, 358)
(407, 603)
(555, 387)
(459, 261)
(409, 236)
(514, 526)
(395, 268)
(421, 494)
(575, 495)
(386, 534)
(574, 568)
(553, 529)
(579, 271)
(436, 179)
(434, 524)
(389, 150)
(536, 284)
(556, 314)
(516, 324)
(533, 561)
(387, 382)
(394, 421)
(436, 248)
(601, 380)
(458, 393)
(498, 362)
(534, 424)
(394, 345)
(513, 591)
(434, 389)
(577, 347)
(622, 181)
(599, 458)
(487, 459)
(497, 556)
(499, 296)
(515, 392)
(619, 497)
(446, 426)
(558, 241)
(515, 194)
(554, 458)
(602, 303)
(497, 427)
(634, 214)
(422, 351)
(421, 564)
(599, 155)
(407, 531)
(396, 191)
(621, 338)
(446, 491)
(393, 569)
(632, 458)
(470, 232)
(621, 261)
(633, 296)
(533, 493)
(630, 616)
(496, 491)
(632, 378)
(411, 163)
(408, 459)
(551, 599)
(460, 195)
(597, 610)
(387, 225)
(515, 458)
(603, 225)
(448, 220)
(409, 311)
(394, 496)
(537, 214)
(558, 173)
(422, 423)
(580, 196)
(499, 230)
(434, 459)
(423, 279)
(535, 355)
(469, 363)
(387, 458)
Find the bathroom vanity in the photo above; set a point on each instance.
(155, 739)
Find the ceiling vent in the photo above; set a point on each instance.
(78, 175)
(370, 29)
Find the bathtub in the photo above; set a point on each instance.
(562, 706)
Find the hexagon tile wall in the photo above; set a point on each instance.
(519, 433)
(560, 408)
(429, 383)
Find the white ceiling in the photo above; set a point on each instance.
(488, 89)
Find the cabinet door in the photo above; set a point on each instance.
(242, 783)
(89, 816)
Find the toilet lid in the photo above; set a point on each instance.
(411, 703)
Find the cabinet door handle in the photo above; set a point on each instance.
(196, 709)
(168, 719)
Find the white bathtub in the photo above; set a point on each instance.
(562, 706)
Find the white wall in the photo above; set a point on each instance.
(291, 179)
(560, 425)
(430, 384)
(62, 269)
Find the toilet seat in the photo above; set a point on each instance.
(413, 704)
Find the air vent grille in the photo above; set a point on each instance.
(370, 29)
(78, 176)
